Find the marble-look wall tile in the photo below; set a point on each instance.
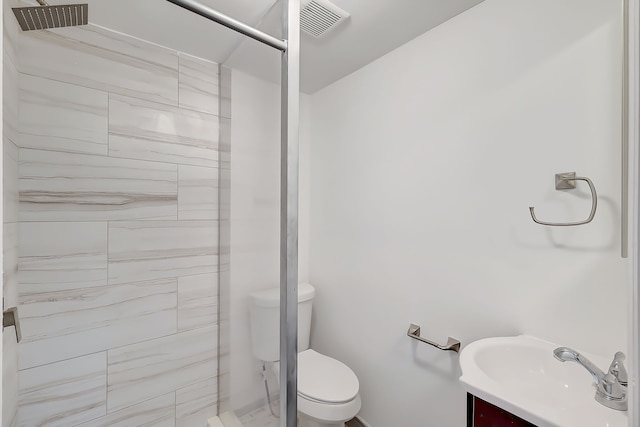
(11, 29)
(58, 186)
(62, 116)
(225, 143)
(56, 256)
(225, 91)
(197, 192)
(224, 341)
(197, 301)
(118, 258)
(158, 412)
(148, 369)
(142, 250)
(198, 84)
(10, 100)
(151, 131)
(10, 243)
(225, 116)
(224, 201)
(10, 226)
(224, 277)
(98, 58)
(10, 183)
(197, 403)
(9, 379)
(64, 393)
(9, 341)
(59, 325)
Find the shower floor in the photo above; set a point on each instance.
(262, 417)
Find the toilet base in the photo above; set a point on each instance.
(316, 414)
(305, 421)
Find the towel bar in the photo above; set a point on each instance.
(451, 345)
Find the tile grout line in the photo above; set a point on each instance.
(109, 124)
(105, 87)
(184, 222)
(145, 103)
(109, 156)
(64, 360)
(142, 402)
(178, 192)
(106, 383)
(178, 304)
(178, 91)
(108, 253)
(220, 196)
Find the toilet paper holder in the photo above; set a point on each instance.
(451, 345)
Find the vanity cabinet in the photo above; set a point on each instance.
(484, 414)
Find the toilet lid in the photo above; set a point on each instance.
(325, 379)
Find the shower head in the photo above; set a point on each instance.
(44, 16)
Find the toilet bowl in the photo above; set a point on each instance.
(327, 388)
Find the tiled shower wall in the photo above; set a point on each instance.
(10, 225)
(118, 231)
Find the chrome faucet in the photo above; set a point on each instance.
(618, 370)
(611, 388)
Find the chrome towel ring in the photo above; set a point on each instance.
(567, 181)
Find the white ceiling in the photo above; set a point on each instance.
(375, 28)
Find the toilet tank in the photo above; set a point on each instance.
(265, 321)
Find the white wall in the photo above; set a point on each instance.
(255, 217)
(422, 167)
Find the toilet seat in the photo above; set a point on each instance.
(323, 379)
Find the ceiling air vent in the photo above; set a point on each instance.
(319, 17)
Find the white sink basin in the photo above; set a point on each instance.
(520, 374)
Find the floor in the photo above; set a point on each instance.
(262, 417)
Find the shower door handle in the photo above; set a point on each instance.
(10, 318)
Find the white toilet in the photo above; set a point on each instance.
(327, 388)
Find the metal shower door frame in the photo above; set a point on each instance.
(289, 165)
(631, 136)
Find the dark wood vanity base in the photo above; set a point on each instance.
(484, 414)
